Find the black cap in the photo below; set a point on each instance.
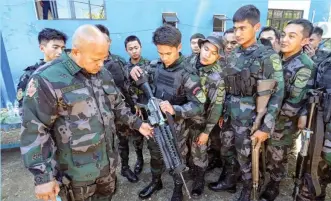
(213, 40)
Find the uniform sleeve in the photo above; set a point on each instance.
(273, 70)
(216, 106)
(37, 145)
(121, 111)
(195, 96)
(21, 86)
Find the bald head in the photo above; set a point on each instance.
(87, 35)
(89, 48)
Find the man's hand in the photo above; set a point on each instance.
(136, 72)
(302, 122)
(220, 122)
(47, 191)
(202, 139)
(309, 51)
(146, 130)
(167, 107)
(260, 136)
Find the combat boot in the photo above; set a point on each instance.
(198, 183)
(246, 191)
(177, 195)
(140, 162)
(126, 172)
(271, 191)
(154, 186)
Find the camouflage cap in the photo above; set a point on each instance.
(213, 40)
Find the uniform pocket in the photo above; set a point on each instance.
(86, 148)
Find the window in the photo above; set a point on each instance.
(219, 23)
(278, 18)
(70, 9)
(170, 19)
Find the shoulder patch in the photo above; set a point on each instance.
(32, 88)
(199, 94)
(276, 62)
(302, 77)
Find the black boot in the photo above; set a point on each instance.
(126, 172)
(198, 183)
(140, 162)
(215, 160)
(177, 195)
(271, 191)
(227, 184)
(154, 186)
(246, 191)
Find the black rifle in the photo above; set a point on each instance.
(164, 132)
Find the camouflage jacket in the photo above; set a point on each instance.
(138, 95)
(299, 74)
(212, 82)
(68, 121)
(320, 55)
(24, 79)
(267, 65)
(188, 92)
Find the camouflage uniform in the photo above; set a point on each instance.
(23, 82)
(179, 85)
(240, 105)
(117, 66)
(68, 128)
(323, 79)
(299, 76)
(212, 83)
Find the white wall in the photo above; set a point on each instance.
(291, 5)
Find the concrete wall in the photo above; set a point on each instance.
(124, 17)
(320, 10)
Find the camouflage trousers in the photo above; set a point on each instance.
(157, 164)
(99, 189)
(279, 145)
(324, 171)
(124, 133)
(198, 153)
(236, 147)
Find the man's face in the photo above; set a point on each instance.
(168, 54)
(208, 54)
(92, 58)
(194, 46)
(133, 48)
(229, 42)
(292, 39)
(245, 32)
(52, 49)
(270, 35)
(315, 40)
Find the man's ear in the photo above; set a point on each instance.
(257, 27)
(179, 48)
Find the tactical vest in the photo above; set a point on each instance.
(168, 85)
(243, 83)
(324, 82)
(116, 69)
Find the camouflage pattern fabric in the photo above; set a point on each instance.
(68, 124)
(24, 79)
(240, 110)
(320, 55)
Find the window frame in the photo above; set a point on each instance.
(281, 21)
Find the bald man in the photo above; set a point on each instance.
(67, 139)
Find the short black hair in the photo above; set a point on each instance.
(167, 35)
(318, 31)
(130, 39)
(231, 30)
(197, 35)
(48, 34)
(248, 12)
(103, 29)
(276, 32)
(306, 24)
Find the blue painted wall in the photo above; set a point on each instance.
(322, 10)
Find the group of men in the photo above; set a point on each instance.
(75, 102)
